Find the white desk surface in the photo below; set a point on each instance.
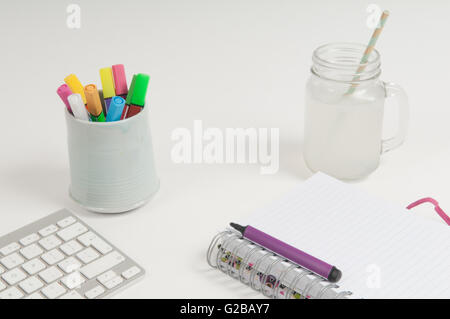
(230, 64)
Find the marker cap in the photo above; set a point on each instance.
(140, 89)
(64, 91)
(75, 85)
(115, 109)
(78, 109)
(106, 77)
(94, 105)
(131, 90)
(120, 80)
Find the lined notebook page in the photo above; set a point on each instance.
(383, 250)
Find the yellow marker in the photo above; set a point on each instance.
(75, 86)
(94, 105)
(106, 76)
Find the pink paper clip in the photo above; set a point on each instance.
(438, 209)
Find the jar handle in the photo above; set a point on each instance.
(394, 90)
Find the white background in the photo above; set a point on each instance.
(231, 64)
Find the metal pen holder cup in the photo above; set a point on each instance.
(112, 165)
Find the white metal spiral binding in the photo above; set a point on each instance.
(226, 252)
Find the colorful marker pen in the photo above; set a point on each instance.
(106, 77)
(78, 107)
(139, 94)
(115, 109)
(120, 80)
(75, 86)
(64, 91)
(128, 100)
(291, 253)
(94, 105)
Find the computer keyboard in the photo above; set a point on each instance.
(59, 256)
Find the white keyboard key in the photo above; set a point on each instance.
(53, 291)
(66, 222)
(29, 239)
(2, 286)
(88, 255)
(94, 292)
(71, 247)
(73, 280)
(87, 238)
(72, 295)
(72, 231)
(113, 282)
(31, 284)
(131, 272)
(50, 274)
(12, 277)
(107, 276)
(31, 251)
(50, 242)
(10, 249)
(69, 265)
(35, 295)
(48, 230)
(11, 293)
(53, 256)
(101, 245)
(12, 260)
(2, 270)
(102, 264)
(33, 266)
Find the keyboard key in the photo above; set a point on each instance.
(10, 249)
(53, 291)
(101, 246)
(33, 266)
(88, 255)
(12, 277)
(2, 270)
(72, 231)
(53, 256)
(50, 274)
(29, 239)
(31, 284)
(69, 265)
(102, 264)
(94, 292)
(71, 247)
(72, 295)
(66, 222)
(87, 238)
(50, 242)
(11, 293)
(73, 280)
(131, 272)
(114, 282)
(2, 286)
(35, 295)
(31, 251)
(107, 276)
(48, 230)
(91, 239)
(12, 261)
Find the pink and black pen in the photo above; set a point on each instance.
(289, 252)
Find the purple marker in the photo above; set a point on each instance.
(293, 254)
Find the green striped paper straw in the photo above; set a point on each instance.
(369, 49)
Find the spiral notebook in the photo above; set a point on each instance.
(383, 250)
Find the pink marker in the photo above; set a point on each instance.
(64, 91)
(120, 80)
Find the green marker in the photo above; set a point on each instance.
(137, 93)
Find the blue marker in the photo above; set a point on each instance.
(115, 109)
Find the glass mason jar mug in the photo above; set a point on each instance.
(344, 112)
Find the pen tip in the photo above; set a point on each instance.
(238, 227)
